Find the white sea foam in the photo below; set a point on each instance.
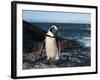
(85, 40)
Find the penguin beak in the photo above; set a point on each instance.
(55, 32)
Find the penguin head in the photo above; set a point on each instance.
(54, 30)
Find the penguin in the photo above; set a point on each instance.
(51, 43)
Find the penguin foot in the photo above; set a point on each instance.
(48, 58)
(57, 58)
(48, 62)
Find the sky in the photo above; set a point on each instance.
(56, 17)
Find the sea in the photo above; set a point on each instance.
(75, 31)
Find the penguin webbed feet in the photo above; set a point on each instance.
(51, 61)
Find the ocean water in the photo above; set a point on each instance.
(78, 32)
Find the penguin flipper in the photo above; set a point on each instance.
(41, 48)
(58, 47)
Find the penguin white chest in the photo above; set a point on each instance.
(52, 50)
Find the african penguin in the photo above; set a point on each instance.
(51, 43)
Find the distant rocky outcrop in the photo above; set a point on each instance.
(32, 35)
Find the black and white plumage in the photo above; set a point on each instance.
(51, 43)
